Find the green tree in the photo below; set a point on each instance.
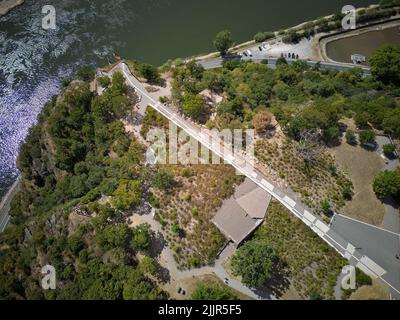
(253, 262)
(148, 266)
(223, 41)
(385, 64)
(213, 292)
(387, 183)
(163, 180)
(86, 73)
(138, 287)
(262, 36)
(192, 105)
(351, 137)
(104, 81)
(149, 72)
(141, 237)
(127, 195)
(389, 149)
(367, 137)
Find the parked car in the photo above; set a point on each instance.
(249, 53)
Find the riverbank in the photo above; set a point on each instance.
(7, 5)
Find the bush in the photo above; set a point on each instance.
(389, 149)
(367, 137)
(149, 72)
(253, 262)
(262, 36)
(351, 137)
(104, 81)
(387, 183)
(163, 180)
(86, 73)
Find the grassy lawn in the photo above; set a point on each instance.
(362, 166)
(308, 265)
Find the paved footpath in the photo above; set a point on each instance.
(290, 200)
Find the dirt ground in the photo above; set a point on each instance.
(362, 167)
(189, 285)
(374, 292)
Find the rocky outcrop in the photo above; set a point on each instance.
(8, 5)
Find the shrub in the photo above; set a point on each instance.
(262, 36)
(389, 149)
(351, 137)
(367, 137)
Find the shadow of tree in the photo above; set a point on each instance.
(279, 283)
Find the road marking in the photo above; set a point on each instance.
(309, 216)
(366, 270)
(322, 226)
(350, 248)
(266, 184)
(373, 266)
(289, 201)
(317, 231)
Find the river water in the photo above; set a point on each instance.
(33, 60)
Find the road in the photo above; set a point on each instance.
(376, 243)
(259, 56)
(5, 205)
(339, 241)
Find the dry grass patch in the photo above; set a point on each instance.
(362, 166)
(321, 182)
(187, 209)
(374, 292)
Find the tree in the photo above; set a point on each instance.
(163, 180)
(367, 137)
(213, 292)
(104, 81)
(262, 36)
(389, 149)
(385, 64)
(351, 137)
(138, 287)
(149, 72)
(253, 262)
(113, 236)
(387, 183)
(192, 105)
(141, 237)
(261, 121)
(86, 73)
(223, 41)
(148, 266)
(127, 195)
(309, 148)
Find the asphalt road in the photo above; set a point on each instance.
(5, 205)
(378, 244)
(259, 56)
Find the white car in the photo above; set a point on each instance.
(249, 53)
